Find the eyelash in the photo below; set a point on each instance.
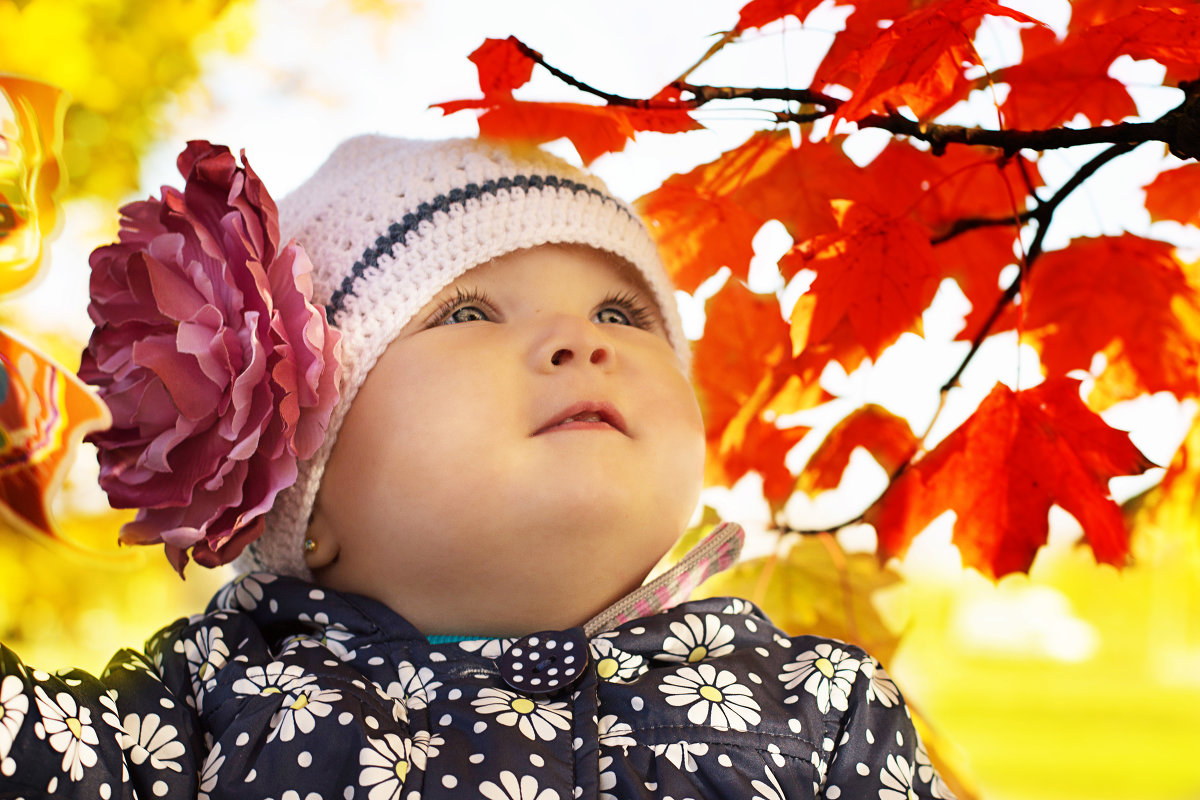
(639, 314)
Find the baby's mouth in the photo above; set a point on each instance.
(585, 416)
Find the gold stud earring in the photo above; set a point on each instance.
(310, 545)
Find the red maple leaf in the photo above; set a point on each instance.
(758, 13)
(1055, 81)
(918, 61)
(745, 377)
(502, 65)
(1126, 297)
(1175, 194)
(594, 130)
(876, 275)
(888, 438)
(1000, 472)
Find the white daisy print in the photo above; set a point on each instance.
(897, 778)
(300, 711)
(682, 754)
(880, 687)
(615, 733)
(927, 774)
(614, 664)
(385, 766)
(698, 638)
(424, 747)
(210, 770)
(535, 719)
(205, 654)
(274, 678)
(14, 705)
(827, 673)
(736, 605)
(715, 698)
(608, 779)
(416, 688)
(487, 648)
(513, 788)
(69, 731)
(245, 593)
(147, 739)
(768, 790)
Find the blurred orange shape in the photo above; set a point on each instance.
(32, 175)
(45, 411)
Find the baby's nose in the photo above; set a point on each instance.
(570, 341)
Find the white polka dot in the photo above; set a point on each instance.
(454, 694)
(329, 662)
(637, 703)
(900, 738)
(638, 631)
(537, 760)
(833, 792)
(449, 781)
(8, 767)
(827, 745)
(754, 677)
(444, 720)
(568, 645)
(274, 606)
(794, 725)
(312, 796)
(290, 794)
(304, 759)
(105, 791)
(762, 651)
(159, 788)
(316, 594)
(166, 703)
(862, 769)
(533, 641)
(372, 723)
(349, 793)
(52, 786)
(345, 718)
(242, 738)
(251, 775)
(435, 656)
(476, 758)
(724, 760)
(750, 626)
(870, 737)
(375, 661)
(39, 675)
(576, 743)
(480, 726)
(845, 737)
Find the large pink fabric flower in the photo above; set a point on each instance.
(218, 370)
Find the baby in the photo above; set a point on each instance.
(449, 600)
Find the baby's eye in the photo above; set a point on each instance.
(612, 315)
(626, 308)
(465, 314)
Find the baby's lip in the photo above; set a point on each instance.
(584, 412)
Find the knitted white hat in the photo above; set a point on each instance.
(388, 223)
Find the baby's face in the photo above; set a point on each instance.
(521, 455)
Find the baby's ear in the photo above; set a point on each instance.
(321, 545)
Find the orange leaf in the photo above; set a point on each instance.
(1002, 470)
(700, 219)
(1056, 81)
(1124, 296)
(758, 13)
(877, 274)
(32, 175)
(841, 63)
(887, 437)
(1175, 194)
(45, 411)
(918, 61)
(502, 66)
(594, 130)
(743, 372)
